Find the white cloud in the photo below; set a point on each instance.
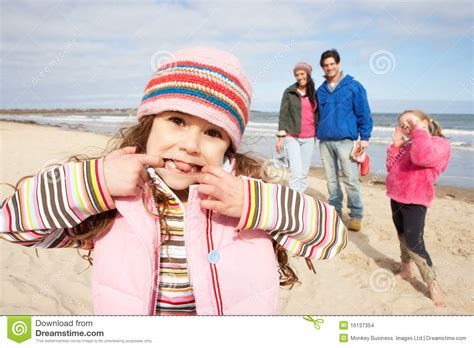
(114, 41)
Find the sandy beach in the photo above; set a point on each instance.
(359, 281)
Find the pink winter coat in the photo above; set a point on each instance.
(245, 279)
(414, 168)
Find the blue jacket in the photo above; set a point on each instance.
(344, 113)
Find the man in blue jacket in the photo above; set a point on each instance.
(344, 117)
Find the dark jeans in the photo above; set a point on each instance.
(409, 220)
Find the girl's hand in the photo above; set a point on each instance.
(225, 191)
(125, 172)
(412, 125)
(417, 125)
(397, 137)
(279, 144)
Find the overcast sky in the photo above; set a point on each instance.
(94, 54)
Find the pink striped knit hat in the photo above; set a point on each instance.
(203, 82)
(303, 66)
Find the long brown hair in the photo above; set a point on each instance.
(433, 126)
(137, 135)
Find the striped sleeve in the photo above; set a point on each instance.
(301, 224)
(43, 208)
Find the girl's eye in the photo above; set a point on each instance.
(214, 133)
(177, 120)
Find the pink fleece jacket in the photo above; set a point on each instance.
(414, 168)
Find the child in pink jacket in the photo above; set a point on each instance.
(174, 220)
(418, 155)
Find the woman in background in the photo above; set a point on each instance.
(297, 125)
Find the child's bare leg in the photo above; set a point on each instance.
(436, 295)
(405, 271)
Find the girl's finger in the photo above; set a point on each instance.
(412, 124)
(151, 160)
(127, 150)
(214, 170)
(213, 205)
(211, 191)
(144, 175)
(210, 179)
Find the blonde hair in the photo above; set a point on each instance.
(433, 126)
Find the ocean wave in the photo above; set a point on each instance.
(131, 117)
(459, 138)
(446, 131)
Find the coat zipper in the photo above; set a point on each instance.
(215, 279)
(214, 274)
(156, 263)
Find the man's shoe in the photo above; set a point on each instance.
(355, 225)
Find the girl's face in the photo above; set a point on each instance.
(301, 77)
(186, 143)
(404, 125)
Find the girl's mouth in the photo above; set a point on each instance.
(182, 167)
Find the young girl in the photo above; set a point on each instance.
(297, 125)
(418, 155)
(175, 223)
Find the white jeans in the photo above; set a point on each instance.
(300, 152)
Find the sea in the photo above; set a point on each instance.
(259, 137)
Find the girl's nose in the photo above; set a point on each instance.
(190, 143)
